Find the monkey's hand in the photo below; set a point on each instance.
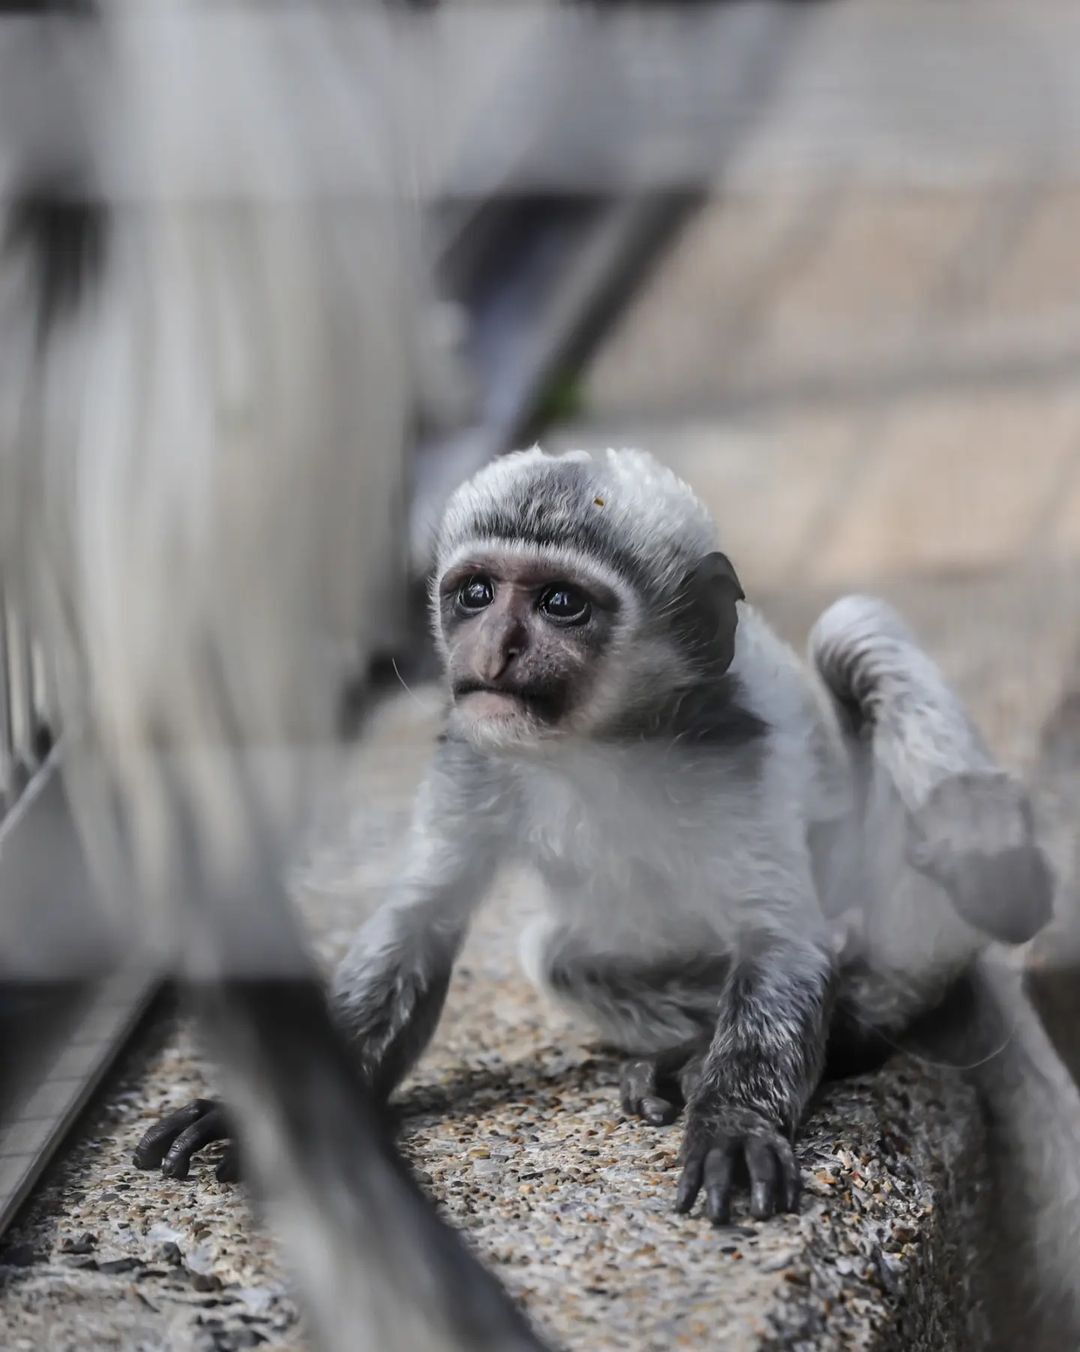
(173, 1141)
(727, 1146)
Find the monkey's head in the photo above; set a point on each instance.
(577, 596)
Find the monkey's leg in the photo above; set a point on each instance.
(765, 1060)
(937, 803)
(660, 1011)
(746, 1088)
(389, 994)
(656, 1088)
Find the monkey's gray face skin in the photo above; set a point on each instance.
(525, 641)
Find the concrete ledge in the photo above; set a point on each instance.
(571, 1204)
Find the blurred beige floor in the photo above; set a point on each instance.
(891, 381)
(879, 391)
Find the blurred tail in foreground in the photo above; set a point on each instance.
(207, 375)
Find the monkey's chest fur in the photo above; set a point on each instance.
(653, 866)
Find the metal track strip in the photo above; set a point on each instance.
(94, 1028)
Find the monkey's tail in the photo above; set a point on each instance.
(968, 828)
(379, 1269)
(875, 669)
(1032, 1278)
(195, 405)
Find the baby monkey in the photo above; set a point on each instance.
(756, 870)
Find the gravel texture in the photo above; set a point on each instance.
(526, 1151)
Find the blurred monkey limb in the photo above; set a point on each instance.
(205, 399)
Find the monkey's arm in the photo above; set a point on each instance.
(765, 1060)
(390, 988)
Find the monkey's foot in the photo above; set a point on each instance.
(173, 1141)
(645, 1092)
(975, 836)
(656, 1088)
(727, 1147)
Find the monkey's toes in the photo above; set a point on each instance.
(228, 1170)
(643, 1094)
(974, 836)
(173, 1141)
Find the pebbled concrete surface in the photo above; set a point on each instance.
(527, 1153)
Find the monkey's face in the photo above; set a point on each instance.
(526, 642)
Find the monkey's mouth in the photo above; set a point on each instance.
(495, 701)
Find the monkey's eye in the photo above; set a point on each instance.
(475, 593)
(565, 603)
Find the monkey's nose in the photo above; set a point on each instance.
(501, 644)
(500, 662)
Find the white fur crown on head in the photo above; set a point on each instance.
(654, 520)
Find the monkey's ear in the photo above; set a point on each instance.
(706, 609)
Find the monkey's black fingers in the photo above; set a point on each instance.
(763, 1168)
(228, 1170)
(790, 1175)
(642, 1096)
(156, 1140)
(659, 1112)
(173, 1141)
(719, 1178)
(727, 1145)
(690, 1182)
(212, 1127)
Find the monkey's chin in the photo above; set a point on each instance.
(491, 719)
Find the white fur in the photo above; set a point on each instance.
(650, 507)
(656, 848)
